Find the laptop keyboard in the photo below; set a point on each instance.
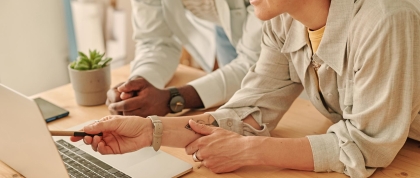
(82, 164)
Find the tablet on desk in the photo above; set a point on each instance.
(50, 111)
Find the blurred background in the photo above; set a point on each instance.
(39, 38)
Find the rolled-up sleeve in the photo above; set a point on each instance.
(157, 51)
(381, 100)
(266, 92)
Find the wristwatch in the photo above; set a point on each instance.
(157, 132)
(176, 101)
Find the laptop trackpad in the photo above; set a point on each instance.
(122, 161)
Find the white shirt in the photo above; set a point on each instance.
(162, 27)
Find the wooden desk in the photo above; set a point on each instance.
(301, 119)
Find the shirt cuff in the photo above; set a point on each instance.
(150, 75)
(230, 120)
(326, 152)
(210, 96)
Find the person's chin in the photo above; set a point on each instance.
(255, 2)
(263, 16)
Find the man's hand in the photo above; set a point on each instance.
(113, 96)
(139, 97)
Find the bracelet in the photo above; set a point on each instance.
(157, 132)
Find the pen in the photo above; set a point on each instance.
(72, 133)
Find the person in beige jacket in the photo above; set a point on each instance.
(359, 62)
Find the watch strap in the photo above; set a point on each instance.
(173, 91)
(157, 132)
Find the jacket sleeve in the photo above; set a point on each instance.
(381, 101)
(157, 52)
(267, 91)
(217, 87)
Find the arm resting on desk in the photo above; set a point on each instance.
(220, 150)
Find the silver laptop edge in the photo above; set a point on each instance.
(27, 146)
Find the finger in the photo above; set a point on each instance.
(133, 85)
(111, 111)
(126, 105)
(107, 124)
(87, 140)
(198, 155)
(104, 149)
(205, 164)
(113, 95)
(95, 142)
(75, 139)
(125, 95)
(192, 147)
(201, 128)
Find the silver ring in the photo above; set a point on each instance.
(195, 158)
(96, 121)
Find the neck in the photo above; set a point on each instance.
(311, 13)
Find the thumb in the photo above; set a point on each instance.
(201, 128)
(105, 125)
(132, 85)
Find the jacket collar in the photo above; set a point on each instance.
(332, 49)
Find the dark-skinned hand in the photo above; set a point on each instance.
(138, 97)
(113, 96)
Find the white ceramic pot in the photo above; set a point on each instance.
(90, 86)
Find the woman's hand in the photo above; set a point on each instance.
(121, 134)
(221, 150)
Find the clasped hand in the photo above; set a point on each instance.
(138, 97)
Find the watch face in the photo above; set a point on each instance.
(177, 104)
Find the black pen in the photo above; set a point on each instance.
(72, 133)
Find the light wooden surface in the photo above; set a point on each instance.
(301, 119)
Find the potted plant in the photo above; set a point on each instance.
(90, 77)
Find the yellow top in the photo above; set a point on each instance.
(315, 38)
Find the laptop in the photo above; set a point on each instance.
(28, 147)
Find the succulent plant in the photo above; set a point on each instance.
(95, 60)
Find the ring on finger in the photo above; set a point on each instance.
(195, 158)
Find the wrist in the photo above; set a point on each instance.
(157, 132)
(167, 98)
(176, 100)
(256, 151)
(191, 96)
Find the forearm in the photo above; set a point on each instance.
(290, 153)
(176, 130)
(177, 133)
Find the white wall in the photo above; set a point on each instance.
(33, 45)
(125, 5)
